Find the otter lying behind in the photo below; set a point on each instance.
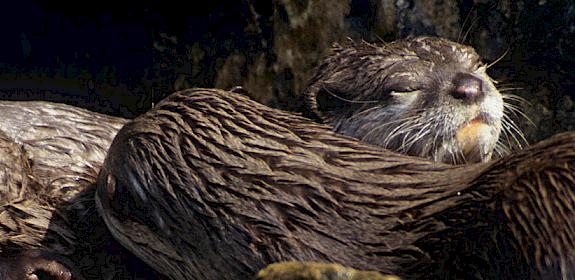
(212, 185)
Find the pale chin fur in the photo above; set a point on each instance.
(450, 150)
(491, 110)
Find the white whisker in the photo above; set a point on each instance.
(350, 101)
(498, 59)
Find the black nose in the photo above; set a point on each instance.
(467, 87)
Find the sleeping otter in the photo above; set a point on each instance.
(211, 185)
(421, 96)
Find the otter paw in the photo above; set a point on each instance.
(35, 265)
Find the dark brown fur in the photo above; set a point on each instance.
(211, 185)
(50, 155)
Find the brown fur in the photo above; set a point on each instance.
(211, 185)
(50, 157)
(50, 152)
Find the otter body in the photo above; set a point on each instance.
(211, 185)
(50, 156)
(51, 152)
(422, 96)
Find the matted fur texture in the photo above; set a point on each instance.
(212, 185)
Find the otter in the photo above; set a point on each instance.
(422, 96)
(50, 156)
(470, 92)
(212, 185)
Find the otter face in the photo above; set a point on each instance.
(423, 96)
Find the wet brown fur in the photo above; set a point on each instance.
(50, 157)
(50, 152)
(212, 185)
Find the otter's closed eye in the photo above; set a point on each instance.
(405, 98)
(402, 85)
(402, 91)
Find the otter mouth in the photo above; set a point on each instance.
(469, 131)
(474, 138)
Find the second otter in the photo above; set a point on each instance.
(424, 96)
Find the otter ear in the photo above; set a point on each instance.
(328, 100)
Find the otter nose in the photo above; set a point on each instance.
(467, 87)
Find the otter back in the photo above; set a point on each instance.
(211, 185)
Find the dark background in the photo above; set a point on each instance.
(120, 57)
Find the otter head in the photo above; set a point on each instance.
(423, 96)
